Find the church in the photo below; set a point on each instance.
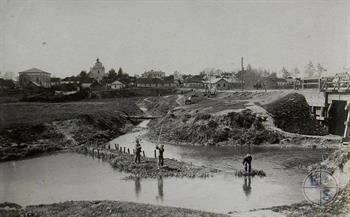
(97, 71)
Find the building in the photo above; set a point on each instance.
(195, 81)
(97, 71)
(282, 83)
(70, 80)
(311, 83)
(55, 82)
(157, 82)
(116, 85)
(275, 83)
(225, 83)
(85, 82)
(153, 74)
(149, 82)
(34, 76)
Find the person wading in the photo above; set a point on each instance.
(160, 155)
(138, 149)
(247, 162)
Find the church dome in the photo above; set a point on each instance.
(98, 64)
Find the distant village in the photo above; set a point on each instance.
(35, 80)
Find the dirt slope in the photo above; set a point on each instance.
(291, 113)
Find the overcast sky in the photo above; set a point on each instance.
(65, 37)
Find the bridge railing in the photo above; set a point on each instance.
(336, 86)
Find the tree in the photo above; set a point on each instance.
(120, 72)
(295, 72)
(285, 73)
(123, 77)
(320, 69)
(273, 75)
(83, 74)
(112, 75)
(310, 70)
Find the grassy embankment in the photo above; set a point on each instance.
(28, 129)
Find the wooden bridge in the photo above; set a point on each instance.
(336, 85)
(334, 111)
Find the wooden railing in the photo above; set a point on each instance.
(336, 86)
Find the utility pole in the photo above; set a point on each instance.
(242, 71)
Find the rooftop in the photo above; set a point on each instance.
(34, 70)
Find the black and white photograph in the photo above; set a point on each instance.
(175, 108)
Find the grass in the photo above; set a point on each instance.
(29, 114)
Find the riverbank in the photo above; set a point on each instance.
(234, 119)
(100, 208)
(85, 129)
(338, 164)
(33, 129)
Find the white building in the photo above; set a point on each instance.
(153, 74)
(36, 76)
(116, 85)
(97, 71)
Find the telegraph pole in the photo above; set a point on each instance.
(242, 71)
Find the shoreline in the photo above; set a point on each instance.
(100, 208)
(331, 145)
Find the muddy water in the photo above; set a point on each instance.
(71, 176)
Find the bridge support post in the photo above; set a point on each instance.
(347, 123)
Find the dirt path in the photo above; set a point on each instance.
(179, 100)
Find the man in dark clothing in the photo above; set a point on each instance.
(138, 152)
(161, 155)
(247, 162)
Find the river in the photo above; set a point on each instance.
(72, 176)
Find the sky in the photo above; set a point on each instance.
(64, 37)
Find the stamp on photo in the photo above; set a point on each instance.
(320, 187)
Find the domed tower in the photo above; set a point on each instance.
(97, 71)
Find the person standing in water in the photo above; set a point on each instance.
(138, 149)
(160, 155)
(247, 162)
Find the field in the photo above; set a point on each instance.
(29, 114)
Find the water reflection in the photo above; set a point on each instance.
(137, 186)
(160, 189)
(247, 188)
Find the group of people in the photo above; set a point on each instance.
(138, 150)
(247, 160)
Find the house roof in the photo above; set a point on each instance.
(194, 79)
(149, 80)
(34, 70)
(86, 80)
(231, 80)
(281, 80)
(165, 80)
(95, 84)
(55, 79)
(34, 83)
(72, 78)
(117, 82)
